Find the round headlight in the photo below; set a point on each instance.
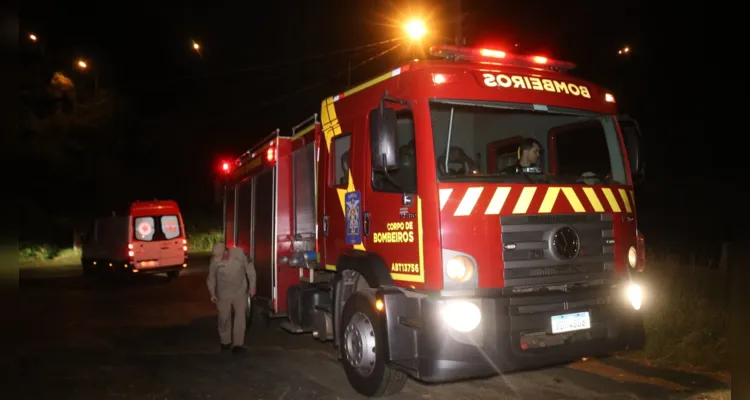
(632, 256)
(463, 316)
(635, 295)
(459, 269)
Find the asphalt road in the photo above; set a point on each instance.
(150, 338)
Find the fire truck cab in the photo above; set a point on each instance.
(401, 224)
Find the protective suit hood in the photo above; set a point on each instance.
(237, 254)
(218, 250)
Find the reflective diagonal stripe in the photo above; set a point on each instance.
(573, 199)
(593, 199)
(445, 194)
(527, 194)
(549, 200)
(525, 203)
(469, 201)
(497, 202)
(625, 200)
(611, 199)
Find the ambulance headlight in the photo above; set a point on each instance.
(632, 256)
(459, 269)
(635, 295)
(463, 316)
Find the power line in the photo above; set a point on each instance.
(269, 65)
(244, 107)
(323, 81)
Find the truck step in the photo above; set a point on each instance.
(323, 307)
(291, 327)
(281, 315)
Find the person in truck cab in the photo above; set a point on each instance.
(529, 152)
(344, 180)
(231, 279)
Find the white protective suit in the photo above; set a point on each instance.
(230, 281)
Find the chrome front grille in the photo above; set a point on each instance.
(533, 247)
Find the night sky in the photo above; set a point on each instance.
(266, 68)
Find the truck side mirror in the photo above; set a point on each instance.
(634, 146)
(383, 140)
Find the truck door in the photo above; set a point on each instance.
(631, 135)
(390, 212)
(171, 247)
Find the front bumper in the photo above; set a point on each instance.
(514, 333)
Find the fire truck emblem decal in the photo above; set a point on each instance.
(565, 243)
(353, 218)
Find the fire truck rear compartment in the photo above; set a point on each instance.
(514, 334)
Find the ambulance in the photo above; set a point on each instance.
(150, 238)
(389, 224)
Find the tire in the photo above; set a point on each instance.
(362, 330)
(88, 267)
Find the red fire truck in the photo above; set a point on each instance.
(390, 225)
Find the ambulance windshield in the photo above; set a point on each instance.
(488, 142)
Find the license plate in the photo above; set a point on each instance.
(571, 322)
(148, 264)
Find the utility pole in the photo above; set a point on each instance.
(459, 39)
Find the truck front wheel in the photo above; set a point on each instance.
(363, 352)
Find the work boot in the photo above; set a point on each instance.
(238, 350)
(225, 347)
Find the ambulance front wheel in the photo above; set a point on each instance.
(363, 352)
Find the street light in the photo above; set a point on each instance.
(33, 37)
(624, 50)
(416, 29)
(82, 64)
(197, 48)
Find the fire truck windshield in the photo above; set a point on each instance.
(486, 141)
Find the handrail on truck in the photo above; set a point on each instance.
(311, 120)
(274, 134)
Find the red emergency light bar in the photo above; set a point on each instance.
(481, 54)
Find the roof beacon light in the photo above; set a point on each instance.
(493, 55)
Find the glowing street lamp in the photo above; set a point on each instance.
(33, 37)
(624, 50)
(416, 29)
(82, 64)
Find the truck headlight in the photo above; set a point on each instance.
(459, 269)
(463, 316)
(635, 295)
(632, 256)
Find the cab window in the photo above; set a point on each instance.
(405, 176)
(341, 160)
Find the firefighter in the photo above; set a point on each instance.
(231, 279)
(529, 152)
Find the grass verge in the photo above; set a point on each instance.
(686, 314)
(46, 255)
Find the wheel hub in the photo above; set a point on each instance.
(359, 342)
